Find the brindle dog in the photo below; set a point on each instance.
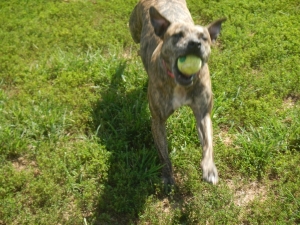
(166, 31)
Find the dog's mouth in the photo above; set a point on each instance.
(182, 79)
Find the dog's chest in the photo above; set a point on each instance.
(180, 97)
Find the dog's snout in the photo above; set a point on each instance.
(194, 44)
(194, 47)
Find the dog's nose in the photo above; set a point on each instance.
(194, 44)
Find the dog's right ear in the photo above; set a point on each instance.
(159, 23)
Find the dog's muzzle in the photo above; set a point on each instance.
(179, 77)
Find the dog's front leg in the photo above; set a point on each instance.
(204, 128)
(160, 139)
(160, 111)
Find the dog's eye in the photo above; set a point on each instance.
(204, 38)
(178, 35)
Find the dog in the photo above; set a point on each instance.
(165, 31)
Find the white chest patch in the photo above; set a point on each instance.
(179, 98)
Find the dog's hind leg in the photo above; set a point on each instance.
(135, 24)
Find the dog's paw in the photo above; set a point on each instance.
(168, 180)
(168, 183)
(210, 172)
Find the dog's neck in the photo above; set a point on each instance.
(169, 72)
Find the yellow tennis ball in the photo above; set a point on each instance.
(189, 65)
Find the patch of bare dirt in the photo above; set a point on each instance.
(290, 101)
(22, 164)
(246, 193)
(226, 138)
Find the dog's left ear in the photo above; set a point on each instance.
(214, 29)
(159, 23)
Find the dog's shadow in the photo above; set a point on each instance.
(122, 121)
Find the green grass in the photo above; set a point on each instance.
(75, 140)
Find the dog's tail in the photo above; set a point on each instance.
(135, 24)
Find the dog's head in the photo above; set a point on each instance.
(181, 39)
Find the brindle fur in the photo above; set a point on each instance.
(165, 31)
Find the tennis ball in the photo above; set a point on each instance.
(189, 65)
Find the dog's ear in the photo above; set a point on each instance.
(159, 23)
(214, 29)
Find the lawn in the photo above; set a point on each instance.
(75, 137)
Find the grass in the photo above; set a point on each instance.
(75, 140)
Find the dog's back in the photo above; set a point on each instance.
(141, 28)
(135, 24)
